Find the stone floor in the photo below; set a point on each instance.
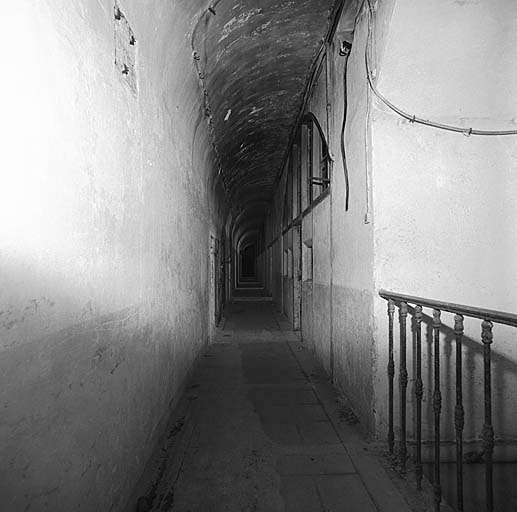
(261, 429)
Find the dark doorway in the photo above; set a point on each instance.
(248, 262)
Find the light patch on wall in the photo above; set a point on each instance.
(125, 49)
(228, 114)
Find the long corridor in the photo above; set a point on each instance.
(262, 429)
(174, 173)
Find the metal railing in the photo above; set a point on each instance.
(488, 318)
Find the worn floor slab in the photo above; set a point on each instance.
(261, 432)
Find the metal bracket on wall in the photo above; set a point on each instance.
(345, 48)
(320, 181)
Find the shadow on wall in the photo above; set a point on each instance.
(82, 403)
(503, 368)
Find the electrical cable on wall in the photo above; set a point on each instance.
(201, 75)
(402, 113)
(344, 51)
(367, 156)
(328, 104)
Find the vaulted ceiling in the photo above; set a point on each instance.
(254, 58)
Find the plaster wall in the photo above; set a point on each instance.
(337, 303)
(321, 306)
(352, 234)
(276, 290)
(288, 288)
(307, 280)
(316, 304)
(275, 238)
(297, 276)
(102, 310)
(445, 207)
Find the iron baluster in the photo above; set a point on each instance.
(391, 374)
(419, 392)
(488, 431)
(403, 379)
(437, 407)
(488, 317)
(459, 414)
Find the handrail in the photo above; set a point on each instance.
(491, 315)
